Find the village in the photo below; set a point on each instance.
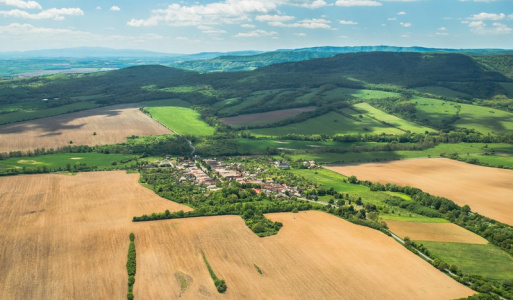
(210, 174)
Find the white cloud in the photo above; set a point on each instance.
(442, 31)
(256, 33)
(273, 18)
(300, 34)
(405, 36)
(481, 28)
(210, 30)
(405, 24)
(98, 8)
(357, 3)
(510, 17)
(226, 12)
(392, 19)
(344, 22)
(115, 8)
(43, 37)
(52, 13)
(486, 1)
(303, 3)
(22, 4)
(401, 13)
(248, 26)
(487, 16)
(307, 23)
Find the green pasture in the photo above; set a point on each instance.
(480, 118)
(335, 180)
(390, 119)
(360, 94)
(182, 120)
(331, 123)
(31, 114)
(166, 102)
(441, 91)
(495, 154)
(485, 260)
(258, 146)
(56, 161)
(251, 100)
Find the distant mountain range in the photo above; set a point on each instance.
(89, 59)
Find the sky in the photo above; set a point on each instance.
(234, 25)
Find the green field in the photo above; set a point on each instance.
(31, 114)
(331, 123)
(390, 119)
(482, 119)
(166, 102)
(498, 154)
(332, 179)
(257, 146)
(485, 260)
(182, 120)
(56, 161)
(251, 100)
(346, 93)
(441, 91)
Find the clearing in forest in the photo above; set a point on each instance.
(99, 126)
(436, 232)
(486, 190)
(66, 237)
(314, 256)
(266, 117)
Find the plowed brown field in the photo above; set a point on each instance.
(488, 191)
(436, 232)
(314, 256)
(66, 237)
(112, 125)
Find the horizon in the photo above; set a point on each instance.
(261, 25)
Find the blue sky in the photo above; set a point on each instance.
(231, 25)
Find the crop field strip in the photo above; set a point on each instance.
(181, 120)
(112, 125)
(309, 243)
(436, 232)
(66, 236)
(486, 190)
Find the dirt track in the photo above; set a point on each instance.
(112, 124)
(488, 191)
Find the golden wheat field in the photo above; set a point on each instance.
(66, 237)
(112, 125)
(487, 191)
(436, 232)
(314, 256)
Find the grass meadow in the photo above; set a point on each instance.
(485, 260)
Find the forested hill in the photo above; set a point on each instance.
(395, 67)
(456, 71)
(229, 62)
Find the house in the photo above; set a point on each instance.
(282, 165)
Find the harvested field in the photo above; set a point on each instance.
(112, 125)
(66, 237)
(314, 256)
(267, 117)
(486, 190)
(436, 232)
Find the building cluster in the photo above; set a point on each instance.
(199, 175)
